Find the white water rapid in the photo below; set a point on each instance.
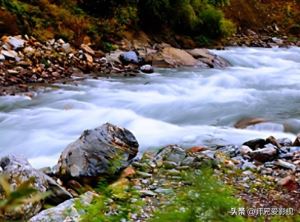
(187, 106)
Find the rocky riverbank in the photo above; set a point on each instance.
(26, 63)
(263, 172)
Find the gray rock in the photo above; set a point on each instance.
(171, 153)
(99, 152)
(65, 211)
(264, 154)
(245, 150)
(147, 69)
(10, 54)
(284, 141)
(149, 193)
(248, 165)
(170, 165)
(285, 164)
(18, 170)
(66, 47)
(16, 43)
(188, 161)
(58, 194)
(256, 143)
(163, 191)
(129, 57)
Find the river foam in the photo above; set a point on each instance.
(183, 106)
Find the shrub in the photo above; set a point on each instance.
(205, 199)
(191, 17)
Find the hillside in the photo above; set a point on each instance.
(105, 23)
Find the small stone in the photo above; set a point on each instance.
(245, 150)
(264, 154)
(163, 191)
(255, 144)
(16, 43)
(60, 41)
(285, 142)
(285, 164)
(149, 193)
(289, 182)
(87, 49)
(173, 172)
(170, 165)
(196, 149)
(147, 69)
(188, 161)
(297, 141)
(171, 153)
(89, 58)
(143, 174)
(11, 71)
(9, 54)
(67, 47)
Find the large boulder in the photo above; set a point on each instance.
(208, 58)
(131, 57)
(99, 152)
(18, 170)
(66, 211)
(173, 57)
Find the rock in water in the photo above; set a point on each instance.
(147, 69)
(99, 152)
(18, 171)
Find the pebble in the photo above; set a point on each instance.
(285, 164)
(143, 174)
(148, 193)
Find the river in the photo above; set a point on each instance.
(172, 106)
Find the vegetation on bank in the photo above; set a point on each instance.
(104, 22)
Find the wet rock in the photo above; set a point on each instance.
(102, 151)
(245, 122)
(255, 144)
(171, 153)
(130, 57)
(18, 170)
(65, 211)
(265, 154)
(147, 69)
(205, 56)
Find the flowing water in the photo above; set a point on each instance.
(185, 106)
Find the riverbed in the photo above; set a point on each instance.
(186, 106)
